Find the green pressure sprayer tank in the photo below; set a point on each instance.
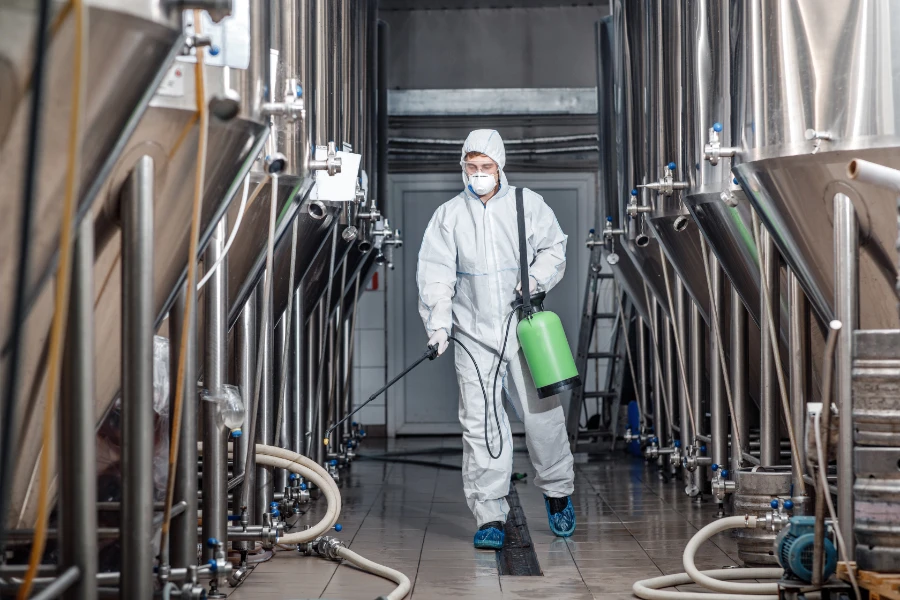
(547, 353)
(541, 334)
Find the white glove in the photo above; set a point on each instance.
(439, 338)
(532, 285)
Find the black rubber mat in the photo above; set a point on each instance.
(517, 556)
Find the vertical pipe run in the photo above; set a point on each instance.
(346, 371)
(183, 538)
(77, 457)
(265, 418)
(298, 393)
(246, 338)
(799, 365)
(769, 430)
(282, 373)
(659, 411)
(321, 62)
(682, 317)
(215, 441)
(312, 362)
(668, 360)
(846, 286)
(137, 382)
(320, 389)
(642, 371)
(697, 367)
(739, 366)
(718, 405)
(382, 133)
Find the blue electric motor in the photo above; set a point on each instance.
(794, 550)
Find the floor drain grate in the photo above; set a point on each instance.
(517, 556)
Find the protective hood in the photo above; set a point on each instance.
(489, 143)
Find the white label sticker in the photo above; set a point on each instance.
(230, 38)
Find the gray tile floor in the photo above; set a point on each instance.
(413, 518)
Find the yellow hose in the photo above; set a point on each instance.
(190, 292)
(61, 299)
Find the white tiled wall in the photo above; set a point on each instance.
(369, 354)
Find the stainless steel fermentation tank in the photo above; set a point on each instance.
(819, 89)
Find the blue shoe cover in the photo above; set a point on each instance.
(490, 536)
(562, 524)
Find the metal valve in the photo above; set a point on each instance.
(653, 451)
(291, 108)
(777, 518)
(634, 209)
(219, 568)
(641, 438)
(714, 150)
(720, 484)
(676, 454)
(331, 164)
(191, 588)
(667, 184)
(333, 469)
(694, 457)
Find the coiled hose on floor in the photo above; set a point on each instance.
(272, 456)
(717, 580)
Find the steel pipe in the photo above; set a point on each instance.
(681, 322)
(739, 366)
(659, 416)
(183, 539)
(298, 392)
(768, 404)
(310, 383)
(265, 417)
(246, 338)
(78, 460)
(846, 274)
(137, 381)
(641, 335)
(669, 376)
(697, 368)
(799, 375)
(718, 405)
(215, 440)
(282, 374)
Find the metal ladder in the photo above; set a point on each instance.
(581, 437)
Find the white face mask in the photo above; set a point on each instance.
(482, 183)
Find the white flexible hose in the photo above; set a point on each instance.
(234, 230)
(334, 503)
(717, 580)
(397, 577)
(736, 522)
(649, 589)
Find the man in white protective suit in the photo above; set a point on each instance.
(468, 278)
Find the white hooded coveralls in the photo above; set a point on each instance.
(467, 274)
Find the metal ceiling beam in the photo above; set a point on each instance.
(505, 101)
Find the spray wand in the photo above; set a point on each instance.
(430, 354)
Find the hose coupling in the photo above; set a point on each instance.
(714, 150)
(331, 163)
(191, 589)
(326, 546)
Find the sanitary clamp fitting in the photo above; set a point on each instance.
(714, 150)
(291, 109)
(720, 484)
(693, 457)
(331, 163)
(634, 209)
(327, 547)
(667, 184)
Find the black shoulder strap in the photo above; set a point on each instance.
(523, 253)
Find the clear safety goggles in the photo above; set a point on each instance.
(488, 167)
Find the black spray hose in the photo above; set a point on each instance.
(430, 354)
(494, 390)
